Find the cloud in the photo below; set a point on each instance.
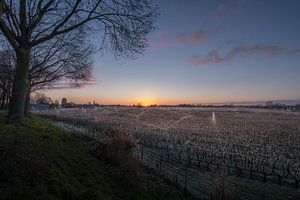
(214, 57)
(225, 9)
(159, 40)
(66, 85)
(293, 52)
(198, 37)
(180, 40)
(88, 83)
(165, 40)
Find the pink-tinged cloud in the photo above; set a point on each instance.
(66, 85)
(214, 57)
(294, 52)
(160, 40)
(180, 40)
(165, 40)
(88, 83)
(225, 9)
(198, 37)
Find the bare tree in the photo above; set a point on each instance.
(52, 64)
(41, 98)
(6, 77)
(64, 61)
(121, 26)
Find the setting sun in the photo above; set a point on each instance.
(146, 101)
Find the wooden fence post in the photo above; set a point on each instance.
(160, 160)
(185, 178)
(142, 153)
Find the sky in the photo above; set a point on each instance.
(205, 51)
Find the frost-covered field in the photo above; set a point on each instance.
(251, 143)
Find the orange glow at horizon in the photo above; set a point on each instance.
(144, 96)
(145, 100)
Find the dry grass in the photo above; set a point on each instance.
(117, 148)
(220, 190)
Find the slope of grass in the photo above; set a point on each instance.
(40, 161)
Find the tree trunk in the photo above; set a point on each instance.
(7, 99)
(27, 102)
(3, 101)
(20, 87)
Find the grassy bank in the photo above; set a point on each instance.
(40, 161)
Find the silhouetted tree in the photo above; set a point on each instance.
(6, 77)
(41, 98)
(59, 62)
(121, 25)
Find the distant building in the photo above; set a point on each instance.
(63, 101)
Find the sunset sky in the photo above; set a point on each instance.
(205, 51)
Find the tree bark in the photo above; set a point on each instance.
(7, 99)
(27, 102)
(3, 100)
(3, 97)
(20, 87)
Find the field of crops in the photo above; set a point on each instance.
(251, 144)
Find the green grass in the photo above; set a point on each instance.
(40, 161)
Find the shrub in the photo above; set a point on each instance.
(117, 147)
(220, 190)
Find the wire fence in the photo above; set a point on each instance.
(186, 170)
(182, 176)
